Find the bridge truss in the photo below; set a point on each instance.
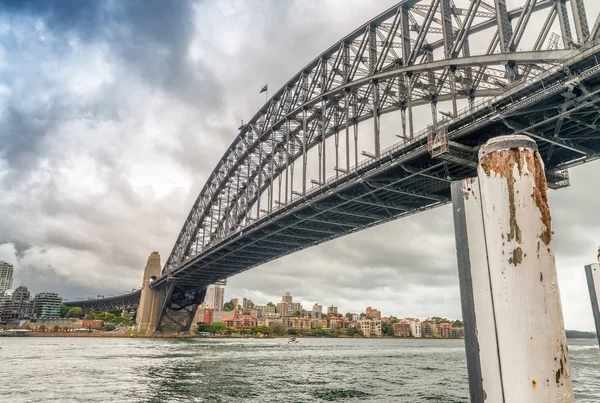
(310, 165)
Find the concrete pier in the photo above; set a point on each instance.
(146, 314)
(592, 273)
(515, 338)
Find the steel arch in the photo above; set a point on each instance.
(416, 53)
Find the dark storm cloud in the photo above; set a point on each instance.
(150, 39)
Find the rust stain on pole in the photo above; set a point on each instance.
(502, 163)
(517, 256)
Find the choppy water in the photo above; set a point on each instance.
(250, 370)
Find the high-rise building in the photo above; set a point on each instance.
(46, 305)
(373, 313)
(21, 300)
(6, 277)
(215, 298)
(332, 310)
(246, 306)
(317, 311)
(287, 307)
(15, 306)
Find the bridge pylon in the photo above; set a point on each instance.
(148, 297)
(168, 307)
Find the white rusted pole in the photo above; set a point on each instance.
(592, 272)
(532, 346)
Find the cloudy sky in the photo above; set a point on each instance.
(113, 114)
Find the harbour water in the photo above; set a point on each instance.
(251, 370)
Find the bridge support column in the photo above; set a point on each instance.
(592, 273)
(514, 331)
(148, 296)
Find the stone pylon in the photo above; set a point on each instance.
(148, 298)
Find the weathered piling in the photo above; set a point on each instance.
(516, 343)
(592, 273)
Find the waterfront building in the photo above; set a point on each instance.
(6, 277)
(369, 327)
(332, 310)
(215, 298)
(373, 313)
(245, 322)
(401, 329)
(415, 329)
(430, 329)
(234, 304)
(338, 322)
(46, 305)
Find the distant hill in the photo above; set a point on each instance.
(576, 334)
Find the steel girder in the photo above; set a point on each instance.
(128, 301)
(416, 53)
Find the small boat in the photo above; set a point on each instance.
(292, 340)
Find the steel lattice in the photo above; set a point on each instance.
(416, 53)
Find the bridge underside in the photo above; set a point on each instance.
(128, 302)
(407, 179)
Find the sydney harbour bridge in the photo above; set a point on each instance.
(378, 126)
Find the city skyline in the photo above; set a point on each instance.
(85, 85)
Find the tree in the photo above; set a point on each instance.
(56, 328)
(457, 323)
(75, 312)
(278, 328)
(91, 316)
(387, 329)
(292, 331)
(362, 315)
(323, 316)
(204, 327)
(63, 310)
(272, 305)
(349, 315)
(227, 306)
(352, 331)
(261, 329)
(108, 327)
(42, 328)
(218, 328)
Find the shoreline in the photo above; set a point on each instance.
(194, 336)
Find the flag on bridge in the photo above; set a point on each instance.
(264, 89)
